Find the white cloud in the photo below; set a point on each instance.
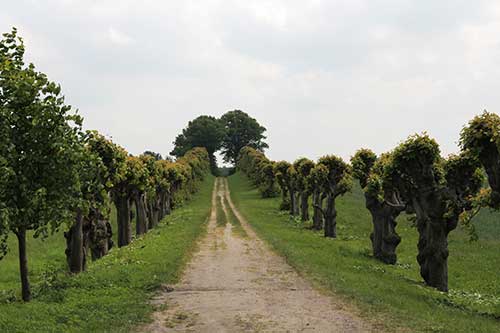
(118, 37)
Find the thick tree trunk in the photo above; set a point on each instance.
(330, 217)
(141, 219)
(123, 217)
(304, 206)
(285, 200)
(292, 202)
(433, 224)
(433, 253)
(23, 265)
(384, 237)
(101, 239)
(75, 245)
(318, 211)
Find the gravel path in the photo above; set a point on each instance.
(235, 283)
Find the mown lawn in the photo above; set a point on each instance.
(394, 296)
(112, 296)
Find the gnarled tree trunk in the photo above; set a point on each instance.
(304, 206)
(141, 220)
(123, 217)
(101, 239)
(330, 217)
(433, 231)
(384, 237)
(318, 210)
(74, 245)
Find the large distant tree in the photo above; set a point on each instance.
(43, 152)
(204, 131)
(240, 130)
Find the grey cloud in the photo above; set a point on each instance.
(322, 76)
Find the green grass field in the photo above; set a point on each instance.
(112, 296)
(393, 296)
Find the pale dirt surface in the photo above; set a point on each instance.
(237, 284)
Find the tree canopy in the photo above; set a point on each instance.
(241, 130)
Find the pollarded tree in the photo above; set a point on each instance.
(259, 169)
(439, 191)
(287, 175)
(303, 167)
(337, 182)
(43, 152)
(240, 130)
(280, 171)
(482, 139)
(138, 184)
(92, 199)
(382, 200)
(153, 190)
(318, 178)
(114, 160)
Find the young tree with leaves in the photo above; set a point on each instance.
(338, 181)
(439, 191)
(382, 200)
(43, 153)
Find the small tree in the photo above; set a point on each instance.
(337, 182)
(382, 200)
(303, 167)
(439, 191)
(43, 152)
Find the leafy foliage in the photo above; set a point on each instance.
(240, 130)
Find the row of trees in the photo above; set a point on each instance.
(229, 134)
(55, 175)
(413, 178)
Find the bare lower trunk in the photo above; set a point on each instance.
(317, 213)
(141, 219)
(330, 217)
(384, 237)
(123, 218)
(74, 240)
(285, 200)
(433, 253)
(304, 206)
(23, 265)
(100, 239)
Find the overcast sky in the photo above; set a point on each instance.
(324, 77)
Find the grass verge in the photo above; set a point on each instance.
(393, 296)
(113, 295)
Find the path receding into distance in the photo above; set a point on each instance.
(235, 283)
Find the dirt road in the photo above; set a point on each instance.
(235, 283)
